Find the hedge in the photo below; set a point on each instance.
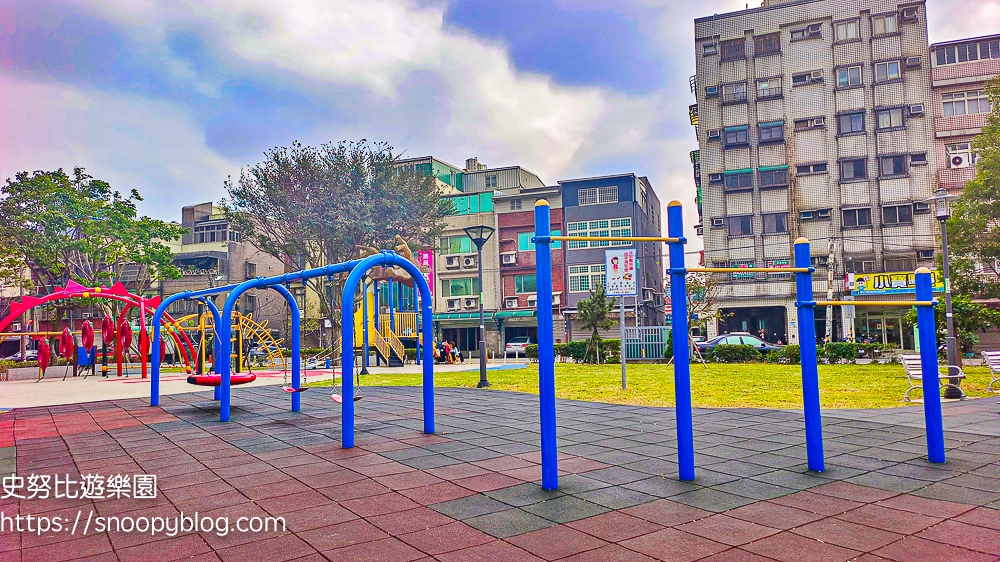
(732, 353)
(577, 350)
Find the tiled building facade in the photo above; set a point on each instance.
(814, 120)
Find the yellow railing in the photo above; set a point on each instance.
(375, 339)
(396, 345)
(406, 324)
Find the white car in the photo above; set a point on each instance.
(517, 344)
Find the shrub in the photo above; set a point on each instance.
(787, 355)
(410, 353)
(531, 351)
(731, 353)
(838, 352)
(561, 349)
(577, 350)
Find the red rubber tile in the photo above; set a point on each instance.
(926, 506)
(457, 471)
(343, 534)
(916, 549)
(789, 547)
(847, 534)
(874, 515)
(817, 503)
(982, 516)
(385, 550)
(410, 521)
(437, 493)
(497, 551)
(167, 550)
(487, 482)
(774, 515)
(674, 546)
(956, 533)
(556, 542)
(614, 526)
(667, 513)
(853, 492)
(446, 538)
(379, 505)
(727, 530)
(406, 480)
(610, 553)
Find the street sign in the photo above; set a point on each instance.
(620, 277)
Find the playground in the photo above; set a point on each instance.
(406, 473)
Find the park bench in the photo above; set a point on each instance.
(914, 375)
(992, 359)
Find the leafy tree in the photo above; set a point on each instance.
(703, 292)
(312, 206)
(971, 319)
(974, 229)
(594, 314)
(78, 228)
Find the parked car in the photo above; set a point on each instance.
(517, 344)
(738, 338)
(259, 354)
(30, 355)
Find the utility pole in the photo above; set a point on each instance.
(831, 263)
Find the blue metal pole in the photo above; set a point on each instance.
(296, 327)
(934, 425)
(216, 392)
(416, 310)
(682, 359)
(546, 351)
(806, 306)
(392, 303)
(364, 322)
(376, 314)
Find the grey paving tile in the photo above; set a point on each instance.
(662, 487)
(616, 475)
(565, 509)
(616, 497)
(713, 500)
(471, 506)
(525, 494)
(508, 523)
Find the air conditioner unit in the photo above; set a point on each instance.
(714, 134)
(85, 315)
(510, 302)
(468, 261)
(532, 300)
(920, 207)
(556, 298)
(470, 302)
(454, 304)
(958, 161)
(816, 76)
(715, 178)
(718, 223)
(451, 262)
(908, 14)
(817, 122)
(508, 259)
(925, 254)
(823, 213)
(912, 62)
(917, 109)
(814, 29)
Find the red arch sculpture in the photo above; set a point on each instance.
(117, 292)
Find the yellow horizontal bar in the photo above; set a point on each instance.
(747, 269)
(615, 238)
(875, 303)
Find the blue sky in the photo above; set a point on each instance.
(171, 97)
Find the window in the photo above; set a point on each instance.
(735, 136)
(801, 78)
(805, 169)
(598, 195)
(524, 243)
(889, 118)
(491, 180)
(775, 223)
(819, 261)
(960, 155)
(461, 287)
(897, 214)
(918, 158)
(811, 31)
(857, 217)
(767, 132)
(968, 52)
(851, 123)
(740, 226)
(853, 169)
(850, 76)
(515, 204)
(524, 283)
(767, 44)
(734, 92)
(885, 71)
(859, 265)
(250, 270)
(710, 49)
(768, 87)
(583, 278)
(739, 181)
(884, 24)
(900, 264)
(734, 49)
(810, 123)
(603, 227)
(773, 178)
(846, 30)
(456, 245)
(892, 165)
(962, 103)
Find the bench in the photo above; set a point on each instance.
(914, 376)
(992, 359)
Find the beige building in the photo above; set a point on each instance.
(815, 120)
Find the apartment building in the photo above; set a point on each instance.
(456, 269)
(515, 210)
(814, 119)
(616, 205)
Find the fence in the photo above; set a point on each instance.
(646, 342)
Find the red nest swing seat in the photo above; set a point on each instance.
(216, 380)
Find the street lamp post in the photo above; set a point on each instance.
(942, 210)
(479, 235)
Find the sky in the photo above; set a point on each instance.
(171, 97)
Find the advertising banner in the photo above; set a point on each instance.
(620, 273)
(891, 283)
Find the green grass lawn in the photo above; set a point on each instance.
(717, 385)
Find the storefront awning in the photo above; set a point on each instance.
(504, 314)
(501, 315)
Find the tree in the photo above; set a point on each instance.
(703, 293)
(971, 319)
(78, 228)
(974, 229)
(313, 206)
(594, 314)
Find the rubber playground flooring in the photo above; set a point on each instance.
(470, 492)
